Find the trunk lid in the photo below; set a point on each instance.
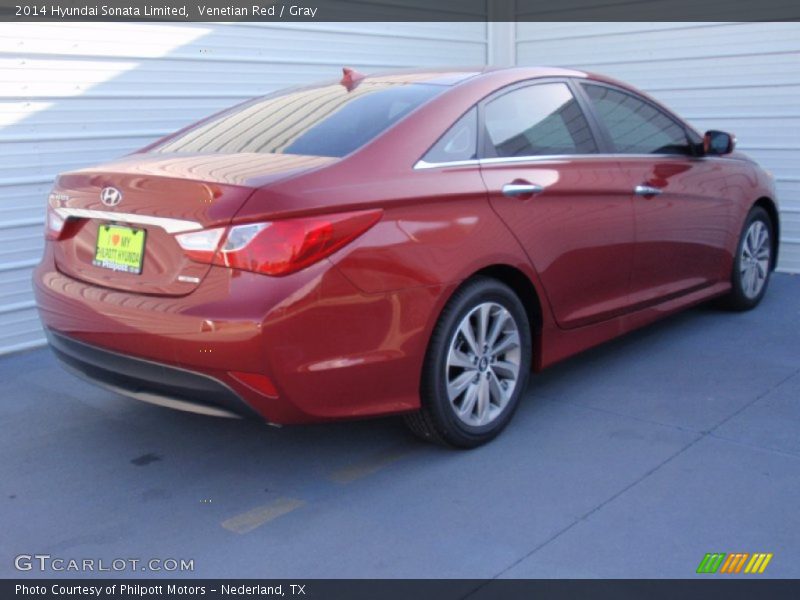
(159, 195)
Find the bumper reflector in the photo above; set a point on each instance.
(257, 382)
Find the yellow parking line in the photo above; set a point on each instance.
(257, 517)
(367, 467)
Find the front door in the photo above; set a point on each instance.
(681, 213)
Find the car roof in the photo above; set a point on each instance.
(483, 76)
(454, 75)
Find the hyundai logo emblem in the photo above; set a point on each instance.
(110, 196)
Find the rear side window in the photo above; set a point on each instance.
(636, 126)
(537, 120)
(460, 142)
(319, 121)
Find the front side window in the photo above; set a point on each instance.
(635, 126)
(537, 120)
(318, 121)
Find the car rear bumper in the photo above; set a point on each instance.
(327, 350)
(149, 381)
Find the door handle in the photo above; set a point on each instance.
(647, 190)
(522, 188)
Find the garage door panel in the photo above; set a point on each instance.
(21, 329)
(658, 46)
(782, 164)
(23, 202)
(789, 193)
(15, 288)
(691, 10)
(532, 31)
(230, 42)
(742, 102)
(789, 257)
(725, 75)
(48, 158)
(23, 243)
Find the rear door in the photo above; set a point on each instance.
(568, 205)
(680, 206)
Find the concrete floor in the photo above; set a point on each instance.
(631, 460)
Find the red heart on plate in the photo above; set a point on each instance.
(115, 239)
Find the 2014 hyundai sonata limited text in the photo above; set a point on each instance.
(413, 243)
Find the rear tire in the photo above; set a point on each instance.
(476, 367)
(752, 264)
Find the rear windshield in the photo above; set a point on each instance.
(320, 121)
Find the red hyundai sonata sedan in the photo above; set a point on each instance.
(409, 243)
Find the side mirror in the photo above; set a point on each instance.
(718, 142)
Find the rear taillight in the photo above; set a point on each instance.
(201, 245)
(54, 224)
(286, 246)
(277, 247)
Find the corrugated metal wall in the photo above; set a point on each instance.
(76, 94)
(739, 77)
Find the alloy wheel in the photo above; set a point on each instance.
(483, 363)
(754, 259)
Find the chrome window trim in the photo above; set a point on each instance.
(167, 224)
(502, 160)
(422, 165)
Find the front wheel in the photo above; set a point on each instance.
(476, 367)
(753, 262)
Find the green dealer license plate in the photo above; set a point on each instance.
(120, 248)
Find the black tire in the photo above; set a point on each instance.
(437, 421)
(739, 299)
